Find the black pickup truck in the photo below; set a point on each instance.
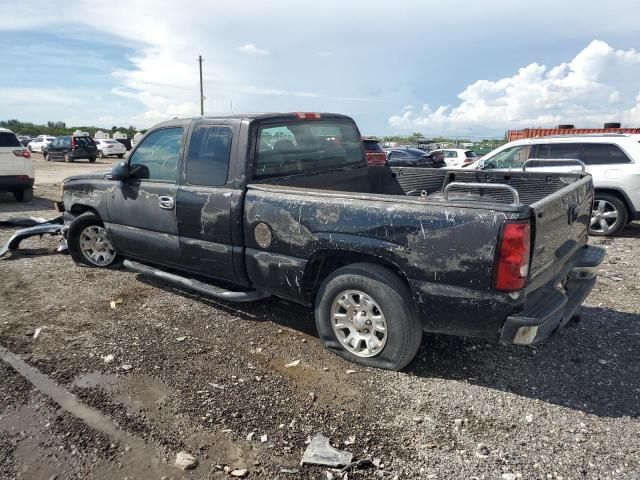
(285, 205)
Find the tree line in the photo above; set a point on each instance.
(57, 129)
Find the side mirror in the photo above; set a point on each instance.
(120, 171)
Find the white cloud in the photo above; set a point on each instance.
(599, 84)
(251, 49)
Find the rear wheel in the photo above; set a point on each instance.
(29, 148)
(101, 154)
(45, 155)
(67, 158)
(25, 195)
(92, 159)
(89, 243)
(609, 215)
(365, 314)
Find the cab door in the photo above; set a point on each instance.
(142, 208)
(205, 199)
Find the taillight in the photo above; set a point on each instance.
(308, 116)
(22, 153)
(512, 265)
(74, 143)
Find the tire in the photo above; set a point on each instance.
(394, 304)
(25, 195)
(121, 155)
(45, 155)
(30, 148)
(92, 159)
(101, 154)
(76, 238)
(605, 206)
(67, 158)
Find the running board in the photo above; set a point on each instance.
(196, 285)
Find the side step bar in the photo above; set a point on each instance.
(196, 285)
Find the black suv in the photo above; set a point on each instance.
(70, 149)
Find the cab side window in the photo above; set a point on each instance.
(157, 157)
(208, 156)
(560, 151)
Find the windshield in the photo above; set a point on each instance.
(373, 146)
(470, 154)
(302, 147)
(512, 157)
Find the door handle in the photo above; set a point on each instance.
(166, 202)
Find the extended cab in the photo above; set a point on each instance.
(285, 205)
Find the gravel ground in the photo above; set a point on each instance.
(198, 375)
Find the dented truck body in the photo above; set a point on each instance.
(283, 233)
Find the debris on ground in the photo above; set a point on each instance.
(108, 358)
(180, 339)
(126, 367)
(28, 221)
(39, 230)
(239, 473)
(295, 363)
(320, 452)
(365, 462)
(36, 332)
(264, 438)
(114, 303)
(185, 461)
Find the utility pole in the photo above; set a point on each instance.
(201, 91)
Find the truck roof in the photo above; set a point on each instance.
(258, 116)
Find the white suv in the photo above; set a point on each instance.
(612, 159)
(16, 168)
(457, 157)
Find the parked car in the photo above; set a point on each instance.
(16, 168)
(39, 143)
(205, 200)
(612, 159)
(414, 157)
(458, 157)
(24, 139)
(108, 147)
(376, 156)
(70, 149)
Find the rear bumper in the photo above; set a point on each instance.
(10, 183)
(550, 308)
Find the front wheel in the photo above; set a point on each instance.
(67, 157)
(609, 215)
(89, 243)
(101, 154)
(365, 314)
(45, 155)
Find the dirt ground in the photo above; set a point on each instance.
(193, 374)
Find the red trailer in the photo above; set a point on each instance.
(566, 130)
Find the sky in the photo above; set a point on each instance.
(465, 68)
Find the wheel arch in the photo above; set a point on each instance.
(621, 195)
(326, 261)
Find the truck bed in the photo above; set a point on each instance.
(401, 217)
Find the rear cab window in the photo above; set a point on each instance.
(8, 139)
(299, 147)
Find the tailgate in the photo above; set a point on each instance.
(560, 222)
(9, 162)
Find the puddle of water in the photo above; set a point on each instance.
(94, 379)
(20, 420)
(142, 393)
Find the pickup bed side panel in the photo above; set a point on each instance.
(435, 246)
